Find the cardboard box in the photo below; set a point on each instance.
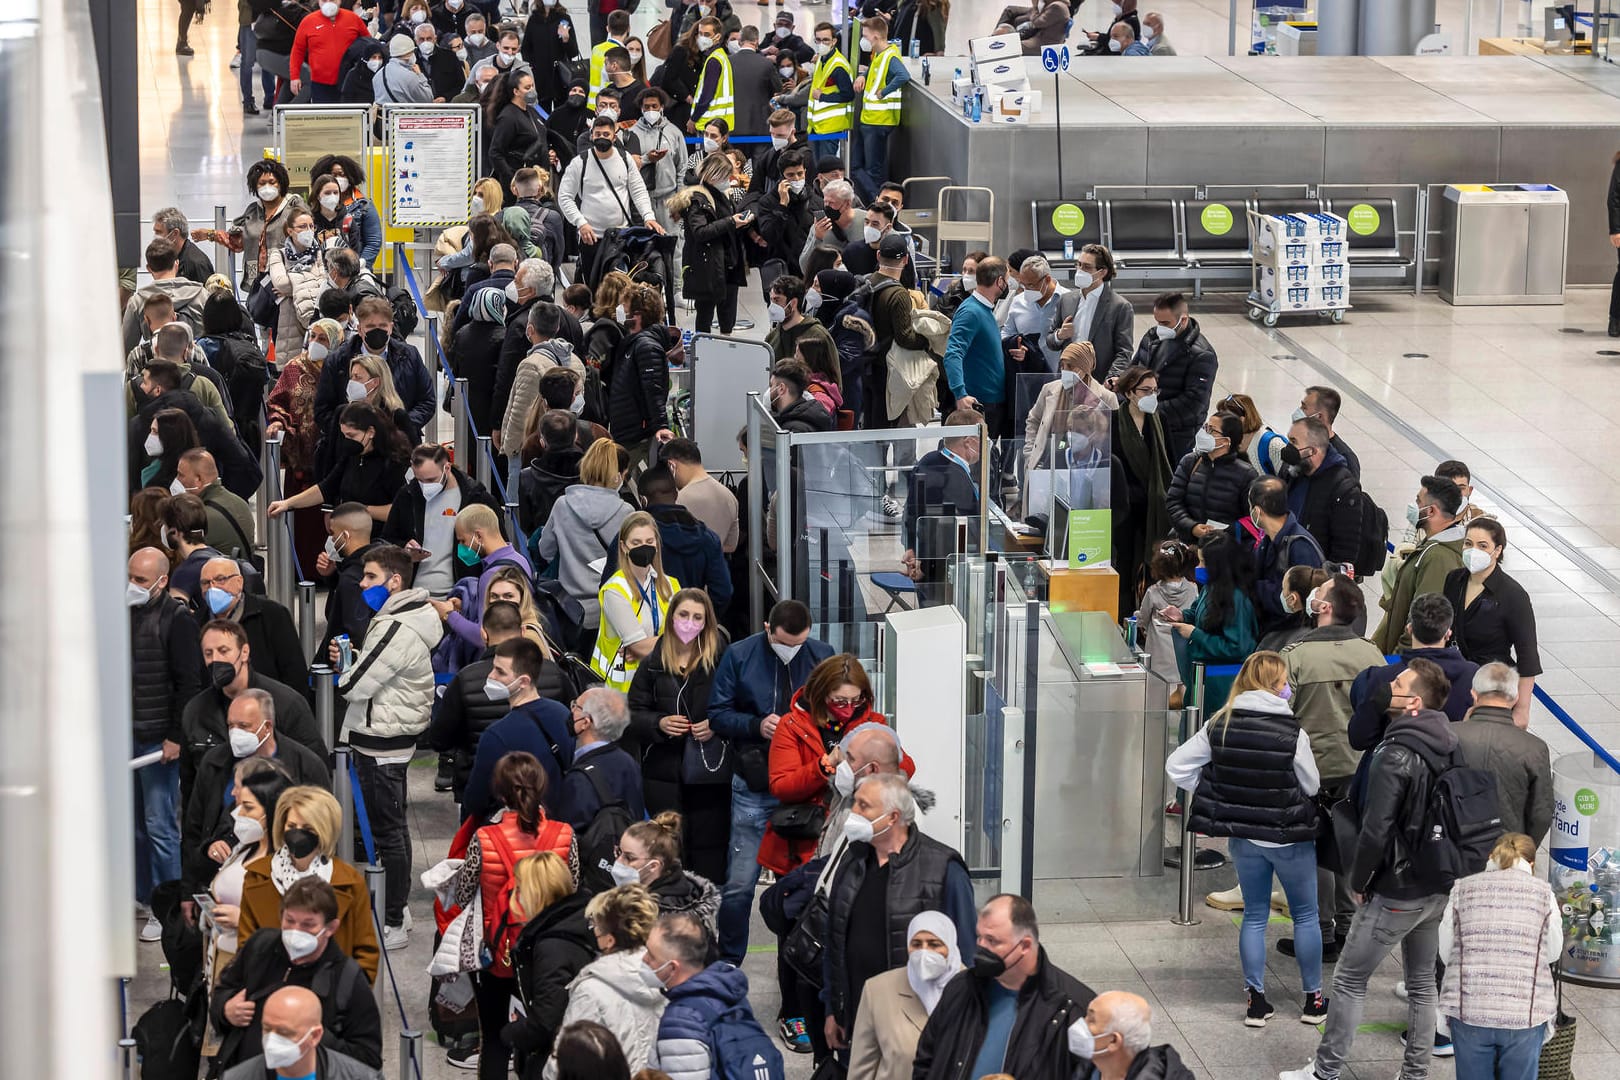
(960, 89)
(1002, 47)
(1024, 101)
(1011, 73)
(1002, 117)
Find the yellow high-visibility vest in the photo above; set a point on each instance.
(825, 117)
(723, 106)
(598, 68)
(878, 110)
(608, 659)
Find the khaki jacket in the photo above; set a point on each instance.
(1321, 667)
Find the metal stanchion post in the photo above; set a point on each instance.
(481, 463)
(377, 885)
(344, 792)
(410, 1055)
(221, 223)
(1191, 721)
(306, 618)
(321, 675)
(464, 446)
(268, 458)
(126, 1058)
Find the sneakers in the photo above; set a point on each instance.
(395, 938)
(236, 61)
(1442, 1044)
(463, 1057)
(152, 930)
(891, 507)
(1330, 949)
(249, 109)
(1308, 1072)
(444, 780)
(1260, 1009)
(1315, 1008)
(795, 1036)
(1400, 989)
(1230, 900)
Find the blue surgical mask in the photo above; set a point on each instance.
(219, 601)
(375, 597)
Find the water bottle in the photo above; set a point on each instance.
(1068, 249)
(345, 652)
(1130, 634)
(978, 103)
(916, 48)
(925, 71)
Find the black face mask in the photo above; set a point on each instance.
(300, 842)
(1290, 456)
(642, 556)
(602, 144)
(987, 965)
(220, 673)
(576, 102)
(376, 339)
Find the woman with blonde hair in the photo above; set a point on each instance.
(633, 602)
(650, 855)
(554, 945)
(684, 767)
(511, 584)
(581, 524)
(1500, 931)
(1253, 779)
(610, 990)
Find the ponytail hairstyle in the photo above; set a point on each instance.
(1511, 848)
(520, 784)
(661, 837)
(1261, 671)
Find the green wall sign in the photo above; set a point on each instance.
(1068, 219)
(1363, 219)
(1216, 219)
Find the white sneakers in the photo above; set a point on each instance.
(1232, 900)
(152, 931)
(395, 938)
(1307, 1072)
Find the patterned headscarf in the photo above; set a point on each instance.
(488, 305)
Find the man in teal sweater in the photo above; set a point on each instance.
(973, 363)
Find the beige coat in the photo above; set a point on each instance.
(1039, 424)
(299, 291)
(525, 391)
(887, 1026)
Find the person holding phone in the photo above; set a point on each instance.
(713, 265)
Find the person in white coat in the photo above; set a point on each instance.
(297, 271)
(610, 989)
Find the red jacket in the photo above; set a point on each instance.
(796, 777)
(502, 844)
(322, 42)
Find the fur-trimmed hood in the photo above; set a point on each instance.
(682, 200)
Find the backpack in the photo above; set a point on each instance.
(1371, 549)
(164, 1044)
(404, 311)
(599, 840)
(1457, 821)
(499, 940)
(741, 1050)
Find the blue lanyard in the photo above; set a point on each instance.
(651, 602)
(965, 468)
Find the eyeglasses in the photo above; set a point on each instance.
(218, 580)
(850, 702)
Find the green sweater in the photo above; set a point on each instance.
(1424, 571)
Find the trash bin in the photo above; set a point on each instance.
(1584, 866)
(1503, 244)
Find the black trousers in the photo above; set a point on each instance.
(383, 788)
(190, 10)
(726, 306)
(1614, 295)
(494, 996)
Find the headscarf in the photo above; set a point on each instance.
(489, 305)
(936, 923)
(836, 285)
(333, 331)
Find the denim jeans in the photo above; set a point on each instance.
(869, 158)
(1378, 927)
(750, 812)
(157, 823)
(383, 788)
(1295, 867)
(1497, 1053)
(249, 44)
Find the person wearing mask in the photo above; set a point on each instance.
(261, 227)
(1321, 668)
(1322, 403)
(340, 566)
(634, 602)
(1493, 738)
(1439, 552)
(1153, 35)
(650, 856)
(552, 945)
(1122, 41)
(321, 40)
(303, 955)
(1140, 446)
(1209, 492)
(1124, 13)
(495, 853)
(689, 549)
(170, 224)
(794, 409)
(481, 543)
(1323, 495)
(895, 1005)
(891, 307)
(374, 317)
(423, 518)
(1092, 311)
(1297, 585)
(1030, 316)
(231, 664)
(684, 768)
(208, 832)
(790, 323)
(1253, 780)
(713, 266)
(296, 1042)
(973, 362)
(944, 483)
(999, 1014)
(861, 254)
(290, 409)
(663, 153)
(533, 725)
(157, 312)
(186, 296)
(888, 872)
(708, 500)
(443, 69)
(1402, 899)
(603, 190)
(962, 285)
(517, 137)
(714, 96)
(785, 45)
(700, 993)
(638, 388)
(1261, 445)
(401, 80)
(1495, 620)
(609, 990)
(1284, 544)
(154, 453)
(164, 675)
(756, 83)
(372, 451)
(835, 222)
(784, 139)
(612, 34)
(1178, 353)
(878, 83)
(1219, 627)
(389, 691)
(359, 82)
(185, 521)
(1116, 1036)
(785, 218)
(599, 718)
(754, 685)
(475, 38)
(583, 524)
(303, 844)
(465, 711)
(230, 520)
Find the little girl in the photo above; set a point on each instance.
(1172, 565)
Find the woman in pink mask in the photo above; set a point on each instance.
(685, 766)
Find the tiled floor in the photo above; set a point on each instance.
(1532, 410)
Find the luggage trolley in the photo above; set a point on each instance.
(1301, 263)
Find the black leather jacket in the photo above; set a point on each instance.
(1382, 863)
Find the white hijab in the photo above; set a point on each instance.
(941, 927)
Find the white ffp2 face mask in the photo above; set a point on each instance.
(248, 830)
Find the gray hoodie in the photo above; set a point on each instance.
(584, 523)
(188, 297)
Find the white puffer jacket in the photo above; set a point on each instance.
(913, 373)
(390, 687)
(609, 991)
(299, 289)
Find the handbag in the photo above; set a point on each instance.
(799, 821)
(706, 762)
(1338, 830)
(263, 306)
(804, 944)
(1559, 1047)
(661, 39)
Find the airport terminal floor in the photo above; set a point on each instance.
(1528, 397)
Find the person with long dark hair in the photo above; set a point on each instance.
(1495, 620)
(589, 1051)
(549, 41)
(1219, 627)
(172, 434)
(370, 468)
(518, 138)
(1140, 448)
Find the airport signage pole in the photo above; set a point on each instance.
(1055, 58)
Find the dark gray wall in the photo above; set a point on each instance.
(114, 24)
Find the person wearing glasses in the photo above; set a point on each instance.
(267, 626)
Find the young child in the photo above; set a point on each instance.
(1172, 567)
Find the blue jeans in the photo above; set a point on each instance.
(869, 158)
(750, 812)
(157, 823)
(249, 45)
(1497, 1053)
(1295, 867)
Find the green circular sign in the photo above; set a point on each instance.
(1363, 219)
(1586, 801)
(1068, 219)
(1216, 219)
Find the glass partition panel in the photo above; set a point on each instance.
(758, 505)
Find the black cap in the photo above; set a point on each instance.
(830, 163)
(893, 246)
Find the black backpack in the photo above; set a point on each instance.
(1371, 547)
(599, 840)
(404, 311)
(164, 1044)
(1454, 819)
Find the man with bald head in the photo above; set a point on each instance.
(165, 673)
(1115, 1035)
(230, 521)
(277, 652)
(207, 834)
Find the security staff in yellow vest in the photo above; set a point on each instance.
(828, 97)
(716, 97)
(634, 603)
(879, 85)
(618, 28)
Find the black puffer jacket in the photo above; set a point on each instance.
(1383, 864)
(638, 386)
(1186, 366)
(166, 669)
(542, 482)
(551, 950)
(1208, 489)
(1038, 1048)
(713, 261)
(475, 357)
(465, 712)
(656, 692)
